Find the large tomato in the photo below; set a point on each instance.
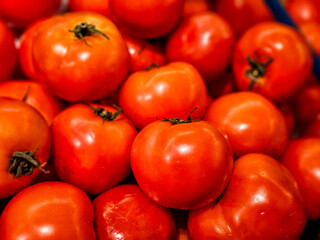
(25, 143)
(304, 11)
(48, 210)
(79, 56)
(97, 6)
(261, 201)
(191, 7)
(181, 164)
(272, 59)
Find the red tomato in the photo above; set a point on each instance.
(21, 13)
(77, 69)
(97, 6)
(204, 40)
(8, 57)
(191, 7)
(312, 32)
(125, 212)
(48, 210)
(262, 201)
(286, 109)
(312, 129)
(224, 84)
(252, 123)
(181, 165)
(243, 14)
(35, 95)
(273, 60)
(169, 91)
(25, 143)
(91, 147)
(304, 11)
(146, 18)
(302, 159)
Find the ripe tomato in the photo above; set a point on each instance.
(25, 143)
(252, 123)
(125, 212)
(224, 84)
(262, 201)
(9, 56)
(146, 18)
(97, 6)
(181, 164)
(204, 40)
(304, 11)
(33, 94)
(91, 147)
(273, 60)
(191, 7)
(169, 91)
(77, 69)
(48, 210)
(312, 32)
(302, 159)
(21, 13)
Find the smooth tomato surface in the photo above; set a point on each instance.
(97, 6)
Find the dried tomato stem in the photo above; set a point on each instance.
(105, 115)
(175, 121)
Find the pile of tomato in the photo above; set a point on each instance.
(148, 119)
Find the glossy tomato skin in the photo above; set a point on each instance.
(9, 56)
(302, 159)
(125, 212)
(191, 7)
(48, 210)
(23, 129)
(312, 32)
(251, 122)
(170, 91)
(21, 13)
(284, 53)
(71, 69)
(181, 166)
(204, 40)
(90, 153)
(304, 11)
(36, 95)
(146, 18)
(97, 6)
(261, 201)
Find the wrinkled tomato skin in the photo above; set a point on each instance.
(302, 159)
(290, 58)
(261, 201)
(97, 6)
(204, 40)
(182, 166)
(48, 210)
(125, 212)
(22, 129)
(88, 153)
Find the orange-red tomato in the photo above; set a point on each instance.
(97, 6)
(304, 11)
(191, 7)
(312, 32)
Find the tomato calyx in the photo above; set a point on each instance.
(84, 29)
(23, 163)
(152, 66)
(106, 115)
(175, 121)
(258, 69)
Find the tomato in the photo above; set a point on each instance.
(287, 110)
(48, 210)
(262, 201)
(243, 14)
(125, 212)
(25, 144)
(91, 147)
(97, 6)
(251, 122)
(146, 18)
(224, 84)
(204, 40)
(21, 13)
(9, 56)
(302, 159)
(191, 7)
(76, 69)
(273, 60)
(34, 94)
(304, 11)
(312, 129)
(312, 32)
(169, 91)
(181, 164)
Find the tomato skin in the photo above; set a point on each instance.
(312, 33)
(38, 97)
(312, 129)
(181, 166)
(204, 40)
(71, 69)
(23, 129)
(125, 212)
(290, 58)
(224, 84)
(261, 201)
(9, 56)
(191, 7)
(302, 159)
(48, 210)
(170, 91)
(89, 154)
(251, 122)
(146, 18)
(304, 11)
(97, 6)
